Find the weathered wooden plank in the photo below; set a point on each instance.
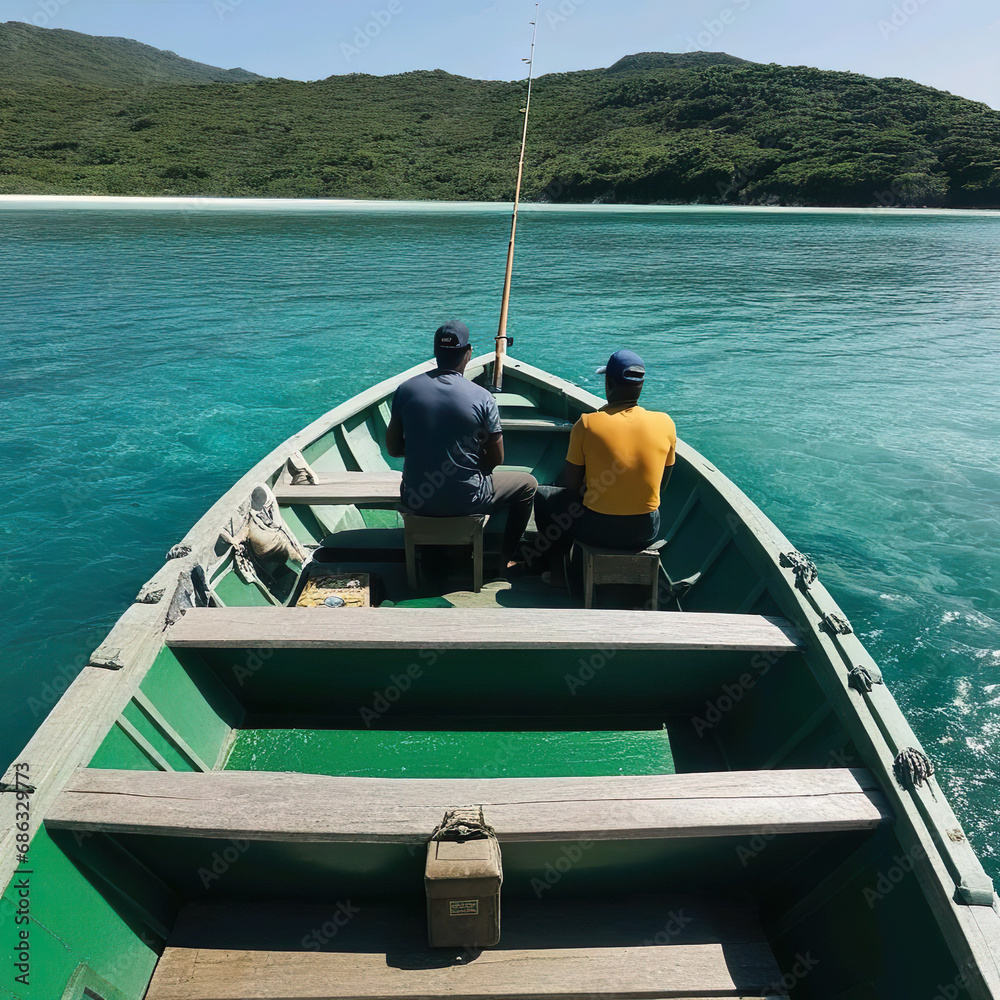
(550, 424)
(344, 488)
(479, 628)
(142, 743)
(565, 973)
(80, 720)
(982, 926)
(632, 947)
(179, 743)
(259, 805)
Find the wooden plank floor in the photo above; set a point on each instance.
(636, 947)
(280, 806)
(477, 628)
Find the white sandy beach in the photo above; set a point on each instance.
(28, 202)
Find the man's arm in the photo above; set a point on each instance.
(572, 476)
(667, 469)
(491, 454)
(394, 442)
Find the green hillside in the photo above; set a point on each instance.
(653, 128)
(30, 56)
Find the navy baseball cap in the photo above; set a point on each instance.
(451, 335)
(625, 368)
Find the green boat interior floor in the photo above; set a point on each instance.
(447, 754)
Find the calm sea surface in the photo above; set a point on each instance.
(842, 368)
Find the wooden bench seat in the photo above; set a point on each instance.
(282, 806)
(477, 628)
(537, 424)
(362, 488)
(612, 949)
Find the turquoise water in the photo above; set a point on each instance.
(840, 367)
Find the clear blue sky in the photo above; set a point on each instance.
(950, 44)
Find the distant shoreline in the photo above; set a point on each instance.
(28, 202)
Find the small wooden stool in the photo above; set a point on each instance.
(467, 530)
(617, 566)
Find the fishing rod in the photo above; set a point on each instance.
(502, 340)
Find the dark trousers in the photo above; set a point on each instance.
(561, 518)
(514, 491)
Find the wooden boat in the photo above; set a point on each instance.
(233, 798)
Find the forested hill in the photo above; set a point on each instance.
(653, 128)
(30, 55)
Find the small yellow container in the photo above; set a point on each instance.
(352, 588)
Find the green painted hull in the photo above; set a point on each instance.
(103, 906)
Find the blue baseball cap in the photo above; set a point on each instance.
(451, 335)
(625, 368)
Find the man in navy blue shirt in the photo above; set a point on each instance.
(447, 430)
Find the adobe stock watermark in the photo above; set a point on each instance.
(399, 684)
(569, 856)
(732, 694)
(589, 668)
(900, 17)
(804, 964)
(255, 660)
(416, 496)
(365, 34)
(674, 927)
(756, 845)
(47, 11)
(223, 861)
(501, 757)
(966, 977)
(566, 9)
(223, 8)
(759, 842)
(715, 27)
(888, 879)
(342, 915)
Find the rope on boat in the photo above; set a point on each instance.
(834, 624)
(801, 566)
(463, 824)
(179, 552)
(912, 768)
(676, 589)
(861, 679)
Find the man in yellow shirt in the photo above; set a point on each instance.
(618, 460)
